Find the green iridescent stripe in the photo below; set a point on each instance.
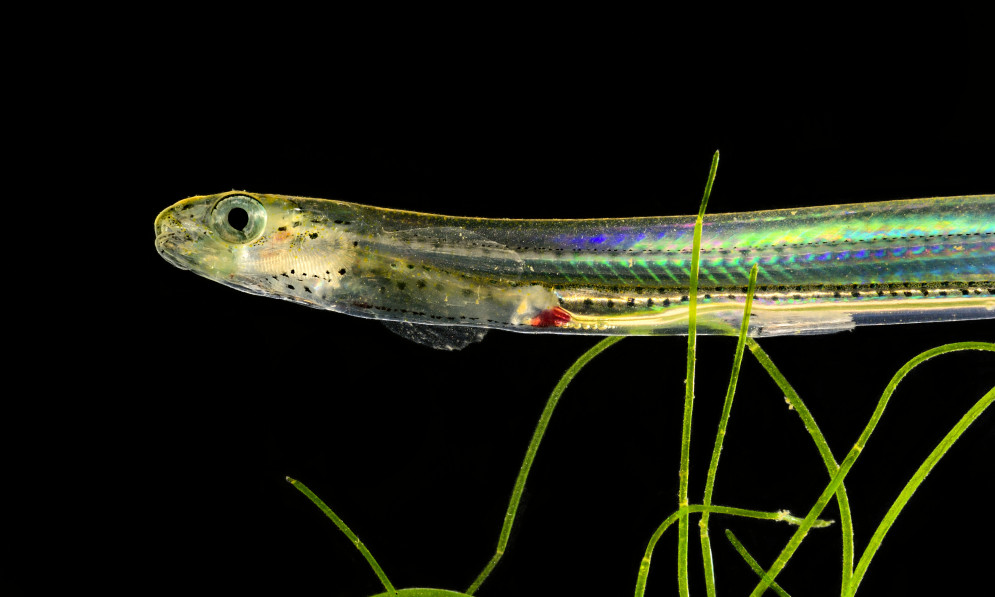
(940, 240)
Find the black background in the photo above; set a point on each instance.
(193, 401)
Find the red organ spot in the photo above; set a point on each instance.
(557, 316)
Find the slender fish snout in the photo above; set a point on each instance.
(162, 222)
(166, 229)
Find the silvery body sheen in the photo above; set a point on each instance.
(444, 280)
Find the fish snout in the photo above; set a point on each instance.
(167, 232)
(166, 222)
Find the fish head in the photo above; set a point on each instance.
(274, 245)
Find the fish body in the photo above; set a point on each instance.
(821, 269)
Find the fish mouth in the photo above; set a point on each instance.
(169, 236)
(160, 222)
(182, 242)
(165, 245)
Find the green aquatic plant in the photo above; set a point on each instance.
(851, 575)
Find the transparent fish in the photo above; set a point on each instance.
(443, 280)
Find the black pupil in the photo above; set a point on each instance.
(238, 218)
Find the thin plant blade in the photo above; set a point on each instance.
(347, 531)
(682, 492)
(530, 454)
(706, 548)
(861, 443)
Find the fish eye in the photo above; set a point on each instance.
(239, 218)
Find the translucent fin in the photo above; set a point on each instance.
(784, 323)
(978, 309)
(439, 337)
(772, 322)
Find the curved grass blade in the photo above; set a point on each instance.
(422, 592)
(752, 562)
(706, 548)
(530, 453)
(854, 453)
(348, 533)
(682, 492)
(781, 515)
(910, 488)
(796, 403)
